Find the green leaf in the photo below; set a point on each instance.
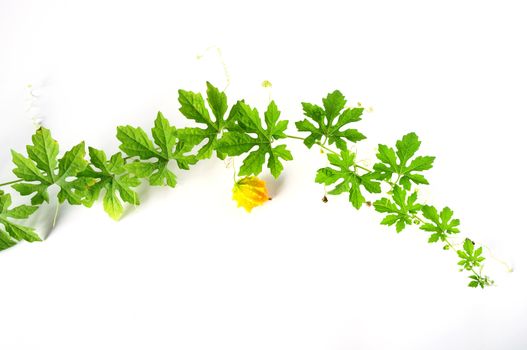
(397, 163)
(480, 281)
(330, 122)
(22, 211)
(344, 172)
(10, 231)
(217, 102)
(44, 152)
(113, 178)
(390, 219)
(400, 225)
(473, 284)
(193, 107)
(248, 135)
(111, 203)
(407, 146)
(441, 224)
(136, 143)
(39, 171)
(401, 208)
(468, 246)
(470, 257)
(6, 241)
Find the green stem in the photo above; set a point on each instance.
(392, 184)
(449, 244)
(295, 137)
(318, 143)
(326, 148)
(509, 268)
(234, 171)
(11, 182)
(363, 168)
(56, 213)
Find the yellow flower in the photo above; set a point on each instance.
(250, 192)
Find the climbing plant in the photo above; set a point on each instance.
(84, 175)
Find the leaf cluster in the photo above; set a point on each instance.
(470, 257)
(153, 158)
(401, 208)
(346, 179)
(248, 135)
(240, 130)
(143, 156)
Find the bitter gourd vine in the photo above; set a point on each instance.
(84, 175)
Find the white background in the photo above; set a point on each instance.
(189, 270)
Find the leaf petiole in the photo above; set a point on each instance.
(318, 143)
(11, 182)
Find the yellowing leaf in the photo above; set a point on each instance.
(250, 192)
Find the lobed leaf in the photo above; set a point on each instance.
(111, 177)
(441, 224)
(248, 135)
(395, 163)
(329, 122)
(401, 208)
(348, 179)
(42, 169)
(193, 107)
(136, 143)
(11, 231)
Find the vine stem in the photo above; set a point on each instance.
(326, 148)
(11, 182)
(318, 143)
(363, 168)
(392, 184)
(55, 216)
(449, 244)
(507, 266)
(295, 137)
(234, 171)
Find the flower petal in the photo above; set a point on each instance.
(250, 192)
